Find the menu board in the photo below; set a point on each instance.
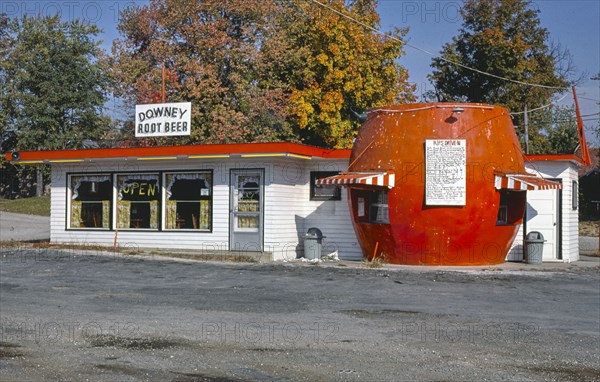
(445, 172)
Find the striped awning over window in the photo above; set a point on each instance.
(524, 182)
(377, 179)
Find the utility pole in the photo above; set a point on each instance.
(163, 93)
(39, 181)
(526, 124)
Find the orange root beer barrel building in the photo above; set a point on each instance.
(437, 184)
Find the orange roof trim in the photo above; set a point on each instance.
(181, 152)
(554, 157)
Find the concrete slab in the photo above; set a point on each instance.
(20, 227)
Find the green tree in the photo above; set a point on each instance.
(54, 83)
(4, 45)
(259, 71)
(557, 126)
(504, 38)
(53, 90)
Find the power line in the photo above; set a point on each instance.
(541, 107)
(591, 115)
(432, 54)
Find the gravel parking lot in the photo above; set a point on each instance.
(69, 315)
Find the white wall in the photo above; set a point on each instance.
(287, 216)
(567, 172)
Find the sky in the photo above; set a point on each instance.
(573, 24)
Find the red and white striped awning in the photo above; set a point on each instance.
(524, 182)
(377, 179)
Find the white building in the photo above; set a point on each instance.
(255, 198)
(553, 213)
(246, 197)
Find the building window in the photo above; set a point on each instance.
(379, 211)
(324, 192)
(574, 196)
(247, 203)
(188, 201)
(512, 207)
(90, 203)
(370, 205)
(137, 201)
(502, 218)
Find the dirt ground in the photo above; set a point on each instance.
(75, 316)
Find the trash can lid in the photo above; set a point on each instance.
(315, 232)
(535, 235)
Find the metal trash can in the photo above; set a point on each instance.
(534, 244)
(313, 243)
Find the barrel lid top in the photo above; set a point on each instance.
(432, 105)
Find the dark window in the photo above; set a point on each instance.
(320, 192)
(371, 206)
(512, 207)
(139, 215)
(379, 211)
(138, 201)
(91, 198)
(575, 196)
(188, 201)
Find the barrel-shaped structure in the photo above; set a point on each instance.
(409, 222)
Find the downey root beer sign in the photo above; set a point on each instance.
(163, 119)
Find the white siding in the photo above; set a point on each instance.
(332, 217)
(292, 212)
(217, 240)
(288, 211)
(567, 172)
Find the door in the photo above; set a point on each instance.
(246, 203)
(543, 215)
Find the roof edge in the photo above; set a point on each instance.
(164, 151)
(554, 157)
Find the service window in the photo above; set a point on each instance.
(371, 206)
(188, 201)
(90, 201)
(138, 201)
(379, 213)
(512, 207)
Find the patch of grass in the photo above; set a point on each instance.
(107, 340)
(225, 257)
(32, 206)
(378, 261)
(8, 350)
(589, 228)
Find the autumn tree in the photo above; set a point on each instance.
(259, 71)
(345, 67)
(503, 38)
(212, 52)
